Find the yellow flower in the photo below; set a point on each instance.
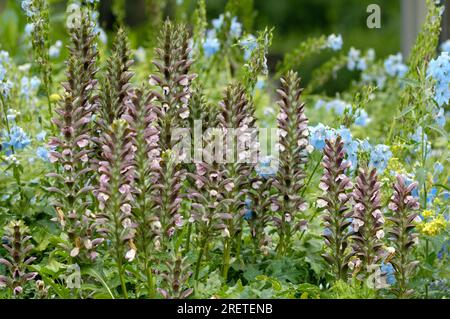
(55, 97)
(433, 227)
(427, 213)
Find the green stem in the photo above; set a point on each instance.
(226, 258)
(188, 238)
(200, 256)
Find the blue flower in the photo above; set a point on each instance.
(318, 134)
(439, 70)
(5, 88)
(249, 44)
(29, 28)
(379, 157)
(338, 106)
(235, 28)
(394, 65)
(16, 139)
(417, 135)
(362, 118)
(365, 146)
(41, 136)
(28, 86)
(267, 167)
(248, 214)
(55, 49)
(432, 194)
(445, 46)
(217, 23)
(445, 249)
(260, 84)
(211, 46)
(439, 117)
(28, 7)
(438, 168)
(42, 153)
(389, 271)
(353, 59)
(334, 42)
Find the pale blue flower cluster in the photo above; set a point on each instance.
(211, 44)
(248, 214)
(445, 46)
(29, 87)
(438, 168)
(249, 44)
(235, 27)
(267, 167)
(388, 271)
(339, 106)
(379, 157)
(361, 117)
(55, 50)
(321, 132)
(96, 27)
(355, 61)
(41, 136)
(394, 66)
(29, 28)
(418, 137)
(16, 139)
(439, 117)
(29, 8)
(379, 154)
(439, 70)
(5, 84)
(377, 77)
(43, 153)
(334, 42)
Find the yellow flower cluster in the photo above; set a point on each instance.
(395, 165)
(432, 227)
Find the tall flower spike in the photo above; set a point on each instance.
(403, 206)
(293, 147)
(335, 204)
(168, 195)
(116, 81)
(114, 194)
(259, 203)
(16, 243)
(141, 119)
(172, 84)
(208, 194)
(368, 221)
(237, 121)
(72, 148)
(175, 279)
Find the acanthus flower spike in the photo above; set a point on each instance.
(171, 86)
(115, 194)
(293, 150)
(142, 120)
(367, 221)
(404, 212)
(16, 243)
(72, 149)
(335, 203)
